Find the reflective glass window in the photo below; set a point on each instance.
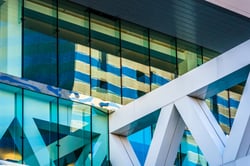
(189, 152)
(162, 59)
(40, 43)
(140, 142)
(135, 62)
(73, 43)
(40, 129)
(105, 59)
(189, 56)
(221, 104)
(100, 137)
(234, 101)
(10, 37)
(74, 127)
(11, 124)
(208, 54)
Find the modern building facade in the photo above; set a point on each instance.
(66, 65)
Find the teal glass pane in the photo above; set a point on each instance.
(189, 153)
(40, 129)
(40, 43)
(73, 43)
(10, 37)
(100, 146)
(140, 142)
(11, 124)
(189, 56)
(74, 133)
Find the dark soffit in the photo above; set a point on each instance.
(196, 21)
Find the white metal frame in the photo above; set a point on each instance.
(182, 103)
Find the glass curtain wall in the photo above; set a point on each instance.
(40, 41)
(68, 46)
(38, 129)
(163, 60)
(11, 124)
(74, 133)
(73, 48)
(11, 37)
(100, 138)
(135, 61)
(105, 58)
(189, 56)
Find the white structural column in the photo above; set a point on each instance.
(239, 139)
(121, 152)
(167, 137)
(210, 138)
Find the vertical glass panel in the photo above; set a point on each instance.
(100, 146)
(162, 59)
(10, 37)
(74, 134)
(234, 100)
(223, 111)
(135, 62)
(208, 54)
(189, 56)
(40, 129)
(189, 153)
(105, 59)
(40, 43)
(74, 68)
(11, 124)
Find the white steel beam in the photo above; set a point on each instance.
(121, 152)
(238, 142)
(244, 161)
(228, 69)
(166, 139)
(205, 130)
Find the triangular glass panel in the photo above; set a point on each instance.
(140, 141)
(224, 106)
(10, 144)
(189, 153)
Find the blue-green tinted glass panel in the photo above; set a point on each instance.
(234, 100)
(189, 153)
(73, 43)
(40, 129)
(10, 37)
(140, 142)
(40, 43)
(11, 124)
(75, 133)
(100, 146)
